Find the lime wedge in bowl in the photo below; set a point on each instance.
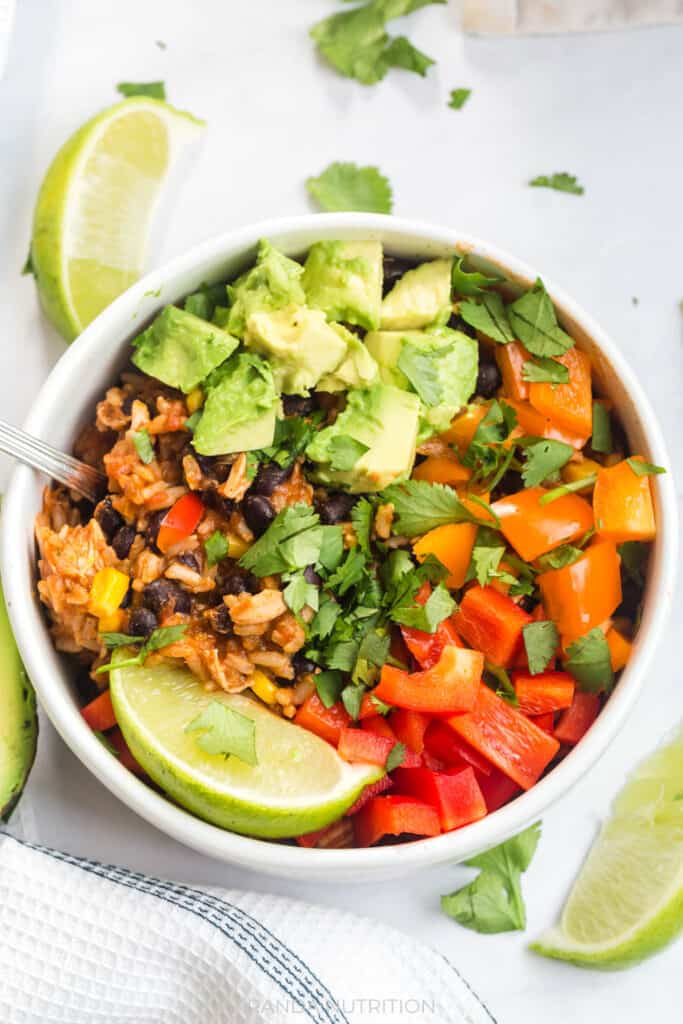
(627, 903)
(95, 206)
(299, 784)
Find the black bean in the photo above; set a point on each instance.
(301, 664)
(143, 621)
(269, 477)
(207, 463)
(108, 518)
(166, 595)
(527, 602)
(231, 579)
(298, 405)
(190, 560)
(456, 323)
(217, 503)
(510, 484)
(488, 380)
(394, 268)
(336, 508)
(221, 621)
(152, 531)
(258, 513)
(311, 576)
(86, 509)
(122, 541)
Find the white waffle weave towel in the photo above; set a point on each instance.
(85, 943)
(549, 16)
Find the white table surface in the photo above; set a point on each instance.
(607, 108)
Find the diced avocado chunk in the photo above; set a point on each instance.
(344, 279)
(449, 370)
(419, 298)
(357, 369)
(381, 422)
(273, 282)
(18, 720)
(240, 408)
(180, 349)
(299, 344)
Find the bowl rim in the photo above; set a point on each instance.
(264, 855)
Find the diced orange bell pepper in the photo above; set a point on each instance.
(450, 686)
(582, 595)
(511, 359)
(394, 816)
(577, 720)
(108, 589)
(532, 422)
(547, 691)
(452, 544)
(464, 427)
(622, 503)
(324, 722)
(409, 727)
(619, 648)
(99, 713)
(491, 623)
(534, 529)
(568, 406)
(439, 469)
(506, 737)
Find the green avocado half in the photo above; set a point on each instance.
(18, 719)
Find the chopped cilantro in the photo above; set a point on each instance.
(221, 730)
(533, 321)
(487, 552)
(570, 488)
(545, 370)
(299, 593)
(361, 519)
(419, 506)
(543, 457)
(143, 445)
(331, 548)
(291, 437)
(396, 757)
(156, 90)
(428, 616)
(560, 557)
(633, 554)
(216, 547)
(329, 685)
(352, 697)
(601, 441)
(589, 661)
(346, 186)
(466, 282)
(561, 182)
(400, 53)
(489, 317)
(459, 98)
(113, 640)
(161, 637)
(541, 641)
(292, 541)
(497, 679)
(641, 468)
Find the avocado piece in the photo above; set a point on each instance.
(344, 279)
(18, 720)
(299, 344)
(357, 369)
(419, 298)
(382, 421)
(272, 283)
(454, 361)
(180, 349)
(240, 408)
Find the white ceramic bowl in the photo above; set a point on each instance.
(67, 401)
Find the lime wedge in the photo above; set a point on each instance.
(94, 210)
(627, 903)
(300, 783)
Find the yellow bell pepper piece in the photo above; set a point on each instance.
(109, 587)
(195, 400)
(264, 687)
(579, 471)
(112, 623)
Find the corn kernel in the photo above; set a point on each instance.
(195, 400)
(109, 587)
(579, 471)
(263, 687)
(112, 623)
(236, 546)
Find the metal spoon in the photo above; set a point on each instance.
(39, 455)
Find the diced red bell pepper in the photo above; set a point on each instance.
(324, 722)
(497, 788)
(506, 737)
(455, 794)
(394, 816)
(99, 713)
(545, 722)
(577, 720)
(409, 727)
(374, 789)
(358, 745)
(435, 765)
(492, 623)
(125, 755)
(441, 742)
(378, 725)
(368, 707)
(427, 648)
(547, 691)
(451, 685)
(180, 521)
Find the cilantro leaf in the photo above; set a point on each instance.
(216, 547)
(419, 506)
(570, 488)
(143, 445)
(292, 541)
(329, 685)
(345, 451)
(533, 321)
(489, 317)
(396, 757)
(299, 592)
(291, 437)
(374, 647)
(466, 282)
(457, 101)
(156, 90)
(164, 636)
(487, 553)
(561, 182)
(498, 680)
(352, 697)
(400, 53)
(161, 637)
(543, 457)
(426, 617)
(420, 369)
(601, 441)
(331, 548)
(221, 730)
(112, 640)
(560, 557)
(541, 640)
(589, 661)
(361, 519)
(641, 468)
(493, 902)
(346, 186)
(497, 425)
(324, 621)
(545, 370)
(633, 554)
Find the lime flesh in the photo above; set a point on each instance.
(627, 903)
(300, 783)
(95, 206)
